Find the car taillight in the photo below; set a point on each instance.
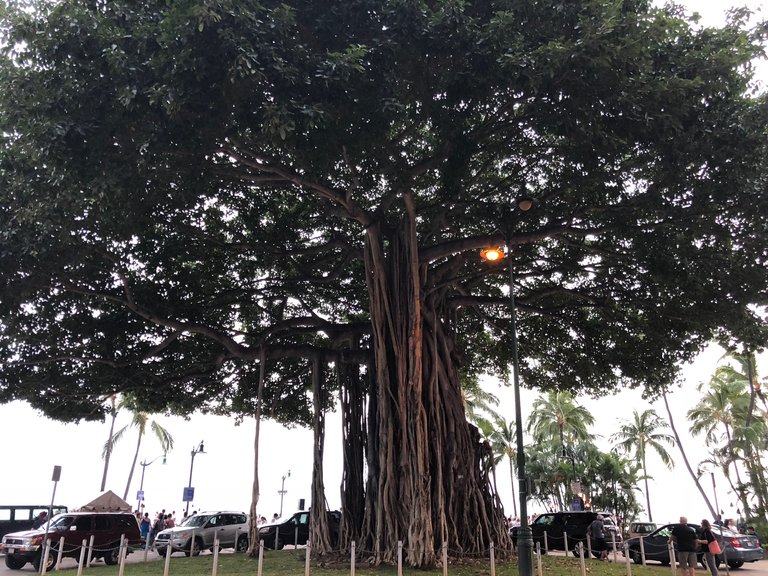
(735, 542)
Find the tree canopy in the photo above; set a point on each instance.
(185, 186)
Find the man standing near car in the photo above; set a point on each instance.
(597, 531)
(687, 543)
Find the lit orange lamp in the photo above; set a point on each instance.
(492, 254)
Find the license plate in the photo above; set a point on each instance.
(10, 551)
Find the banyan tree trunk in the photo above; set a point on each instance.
(319, 536)
(431, 483)
(253, 529)
(354, 436)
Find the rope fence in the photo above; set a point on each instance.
(580, 550)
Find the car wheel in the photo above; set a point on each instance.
(637, 558)
(279, 545)
(242, 544)
(38, 562)
(736, 563)
(14, 562)
(112, 557)
(193, 548)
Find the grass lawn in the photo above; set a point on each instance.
(291, 563)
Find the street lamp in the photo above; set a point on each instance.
(189, 494)
(283, 491)
(524, 538)
(144, 464)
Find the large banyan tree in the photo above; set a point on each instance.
(224, 204)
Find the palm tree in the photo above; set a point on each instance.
(695, 477)
(478, 404)
(139, 421)
(504, 443)
(715, 414)
(729, 411)
(557, 417)
(639, 435)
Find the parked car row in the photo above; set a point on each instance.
(737, 548)
(568, 529)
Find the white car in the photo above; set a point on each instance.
(200, 530)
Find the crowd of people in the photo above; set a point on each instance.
(152, 526)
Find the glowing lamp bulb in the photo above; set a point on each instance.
(492, 254)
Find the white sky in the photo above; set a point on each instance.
(222, 477)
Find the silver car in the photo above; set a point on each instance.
(200, 530)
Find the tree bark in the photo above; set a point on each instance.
(253, 528)
(354, 438)
(685, 459)
(431, 479)
(319, 536)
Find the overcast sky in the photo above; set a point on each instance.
(222, 476)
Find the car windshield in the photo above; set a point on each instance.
(59, 522)
(197, 520)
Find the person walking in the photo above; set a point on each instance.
(707, 537)
(687, 543)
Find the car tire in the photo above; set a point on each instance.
(736, 563)
(242, 544)
(279, 545)
(14, 562)
(193, 548)
(112, 557)
(637, 558)
(161, 551)
(38, 562)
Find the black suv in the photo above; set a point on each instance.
(558, 525)
(295, 530)
(107, 528)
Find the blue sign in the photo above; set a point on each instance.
(140, 495)
(189, 494)
(576, 504)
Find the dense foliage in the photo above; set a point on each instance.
(187, 185)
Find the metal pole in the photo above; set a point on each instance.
(143, 465)
(524, 537)
(189, 484)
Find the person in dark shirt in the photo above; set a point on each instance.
(687, 543)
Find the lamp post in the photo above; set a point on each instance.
(144, 464)
(524, 537)
(283, 491)
(188, 496)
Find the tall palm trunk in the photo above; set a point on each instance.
(513, 476)
(133, 465)
(647, 493)
(113, 414)
(685, 458)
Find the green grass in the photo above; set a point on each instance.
(291, 563)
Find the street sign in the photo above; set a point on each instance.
(189, 494)
(140, 495)
(576, 504)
